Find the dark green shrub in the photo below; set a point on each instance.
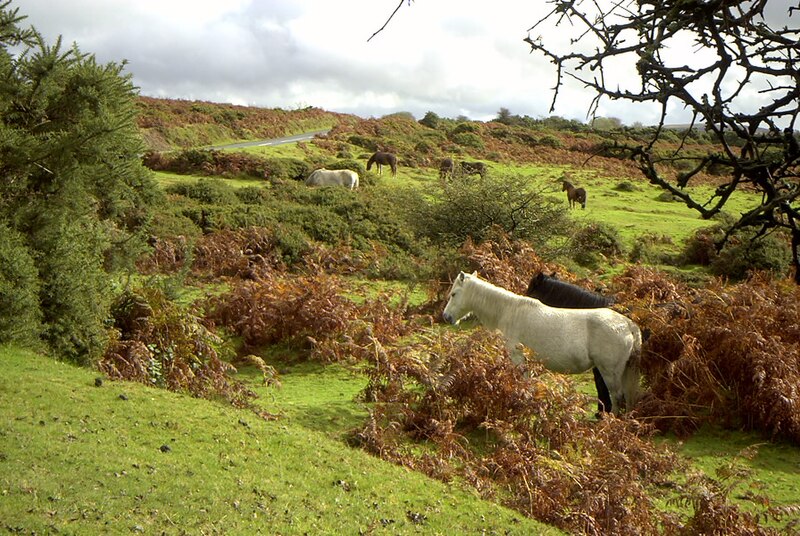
(468, 139)
(292, 243)
(744, 253)
(75, 290)
(370, 144)
(192, 160)
(168, 224)
(666, 197)
(548, 140)
(319, 223)
(594, 242)
(652, 249)
(20, 315)
(208, 191)
(252, 195)
(431, 120)
(466, 127)
(700, 248)
(470, 207)
(285, 169)
(625, 186)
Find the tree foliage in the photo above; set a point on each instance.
(74, 192)
(737, 53)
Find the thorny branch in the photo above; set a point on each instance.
(734, 53)
(385, 24)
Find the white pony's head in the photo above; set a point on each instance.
(456, 307)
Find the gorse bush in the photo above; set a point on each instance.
(594, 242)
(208, 191)
(75, 194)
(21, 320)
(741, 253)
(472, 208)
(744, 253)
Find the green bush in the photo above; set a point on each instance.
(208, 191)
(549, 140)
(595, 241)
(468, 139)
(75, 290)
(744, 253)
(652, 249)
(466, 127)
(252, 195)
(285, 169)
(370, 144)
(20, 315)
(474, 208)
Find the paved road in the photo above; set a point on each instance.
(277, 141)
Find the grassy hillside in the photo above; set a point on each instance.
(333, 291)
(172, 124)
(80, 458)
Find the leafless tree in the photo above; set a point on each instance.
(734, 51)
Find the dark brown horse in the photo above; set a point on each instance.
(473, 168)
(574, 195)
(446, 168)
(381, 158)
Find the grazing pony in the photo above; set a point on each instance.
(473, 168)
(333, 177)
(446, 168)
(556, 293)
(380, 158)
(574, 195)
(564, 340)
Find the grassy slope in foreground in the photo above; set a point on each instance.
(77, 458)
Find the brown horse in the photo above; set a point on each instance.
(381, 158)
(473, 168)
(446, 168)
(574, 195)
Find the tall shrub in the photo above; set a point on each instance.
(74, 189)
(20, 321)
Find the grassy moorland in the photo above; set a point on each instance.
(328, 301)
(82, 458)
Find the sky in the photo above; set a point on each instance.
(451, 57)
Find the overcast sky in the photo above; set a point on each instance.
(452, 57)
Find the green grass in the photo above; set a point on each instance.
(641, 212)
(165, 179)
(80, 459)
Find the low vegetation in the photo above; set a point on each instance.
(222, 259)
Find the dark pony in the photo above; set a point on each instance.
(574, 195)
(380, 158)
(556, 293)
(473, 168)
(446, 168)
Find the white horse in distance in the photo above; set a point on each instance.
(333, 177)
(565, 340)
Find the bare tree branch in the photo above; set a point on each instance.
(737, 54)
(385, 24)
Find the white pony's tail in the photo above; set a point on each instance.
(632, 373)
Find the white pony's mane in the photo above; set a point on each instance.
(487, 299)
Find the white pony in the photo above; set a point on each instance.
(333, 177)
(565, 340)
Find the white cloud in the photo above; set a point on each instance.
(453, 57)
